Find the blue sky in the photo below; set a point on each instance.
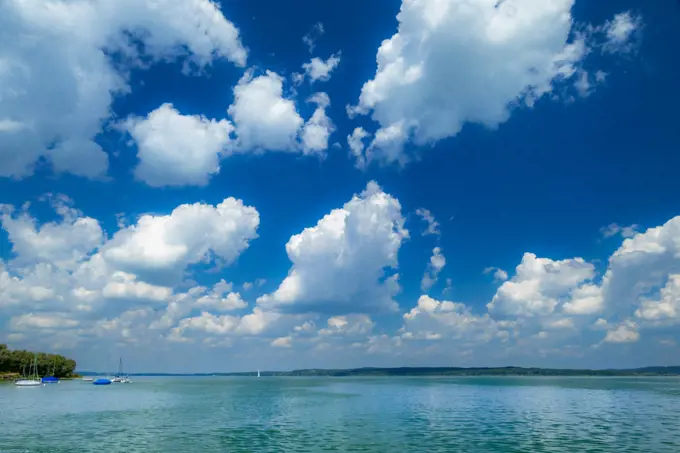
(541, 139)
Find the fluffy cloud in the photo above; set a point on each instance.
(432, 319)
(158, 245)
(180, 150)
(221, 298)
(644, 265)
(548, 303)
(515, 52)
(342, 260)
(614, 229)
(264, 119)
(257, 322)
(127, 286)
(619, 32)
(626, 332)
(41, 321)
(318, 128)
(434, 267)
(64, 242)
(432, 224)
(247, 286)
(177, 150)
(666, 308)
(539, 286)
(282, 342)
(356, 145)
(348, 325)
(499, 275)
(318, 69)
(57, 82)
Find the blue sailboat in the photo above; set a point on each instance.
(51, 379)
(101, 381)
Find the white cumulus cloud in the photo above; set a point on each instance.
(64, 242)
(432, 319)
(318, 128)
(343, 258)
(356, 145)
(177, 150)
(626, 332)
(264, 118)
(539, 286)
(453, 62)
(319, 70)
(434, 267)
(180, 150)
(160, 244)
(499, 275)
(57, 81)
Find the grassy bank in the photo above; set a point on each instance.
(9, 377)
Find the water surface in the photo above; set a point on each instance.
(462, 414)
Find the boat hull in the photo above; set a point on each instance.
(28, 383)
(101, 382)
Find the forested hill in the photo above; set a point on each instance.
(13, 361)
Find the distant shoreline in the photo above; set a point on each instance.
(434, 371)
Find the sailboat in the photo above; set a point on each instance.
(119, 376)
(51, 379)
(32, 380)
(101, 381)
(126, 378)
(258, 373)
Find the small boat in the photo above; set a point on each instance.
(101, 381)
(258, 373)
(28, 383)
(119, 377)
(32, 380)
(51, 379)
(88, 379)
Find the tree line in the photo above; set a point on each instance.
(16, 361)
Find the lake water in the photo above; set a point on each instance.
(215, 414)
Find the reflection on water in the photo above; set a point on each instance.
(345, 414)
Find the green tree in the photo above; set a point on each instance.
(19, 360)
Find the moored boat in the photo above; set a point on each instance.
(32, 380)
(51, 379)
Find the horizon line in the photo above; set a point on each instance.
(395, 368)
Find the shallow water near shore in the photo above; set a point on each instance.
(386, 414)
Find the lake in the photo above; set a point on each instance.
(387, 414)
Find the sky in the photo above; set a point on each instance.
(224, 186)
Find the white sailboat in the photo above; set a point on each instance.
(126, 378)
(258, 372)
(32, 380)
(119, 376)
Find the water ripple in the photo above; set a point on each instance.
(274, 415)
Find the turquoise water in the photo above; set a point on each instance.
(214, 414)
